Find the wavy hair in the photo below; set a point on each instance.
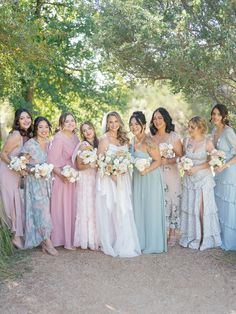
(167, 118)
(223, 112)
(200, 123)
(16, 123)
(95, 141)
(121, 133)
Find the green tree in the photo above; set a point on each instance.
(48, 62)
(191, 44)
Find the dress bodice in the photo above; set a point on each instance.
(226, 142)
(198, 156)
(137, 153)
(114, 148)
(38, 156)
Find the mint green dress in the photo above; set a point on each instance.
(149, 210)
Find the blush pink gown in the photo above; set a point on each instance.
(63, 194)
(10, 194)
(85, 223)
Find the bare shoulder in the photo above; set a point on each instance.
(150, 142)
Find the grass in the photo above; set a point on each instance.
(12, 261)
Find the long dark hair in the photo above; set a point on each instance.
(140, 118)
(95, 141)
(36, 124)
(223, 112)
(16, 123)
(167, 118)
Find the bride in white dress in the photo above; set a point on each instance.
(114, 212)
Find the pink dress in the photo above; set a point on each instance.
(63, 194)
(10, 194)
(85, 224)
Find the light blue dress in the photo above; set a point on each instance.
(199, 189)
(38, 225)
(225, 190)
(149, 209)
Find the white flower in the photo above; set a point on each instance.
(217, 158)
(166, 150)
(142, 163)
(70, 173)
(88, 156)
(114, 163)
(18, 163)
(42, 170)
(184, 164)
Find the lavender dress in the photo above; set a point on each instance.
(63, 194)
(10, 194)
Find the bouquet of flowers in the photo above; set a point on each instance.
(18, 163)
(70, 173)
(42, 170)
(184, 164)
(114, 163)
(88, 155)
(142, 163)
(166, 150)
(217, 158)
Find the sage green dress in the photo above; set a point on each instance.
(149, 210)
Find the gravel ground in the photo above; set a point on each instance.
(181, 281)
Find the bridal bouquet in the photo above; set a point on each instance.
(142, 163)
(166, 150)
(88, 155)
(114, 163)
(217, 158)
(70, 173)
(18, 163)
(42, 170)
(184, 164)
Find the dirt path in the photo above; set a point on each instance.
(181, 281)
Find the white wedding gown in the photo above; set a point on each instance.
(114, 214)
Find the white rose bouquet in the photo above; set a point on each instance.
(114, 163)
(70, 173)
(217, 158)
(88, 155)
(184, 164)
(166, 150)
(42, 170)
(19, 163)
(142, 163)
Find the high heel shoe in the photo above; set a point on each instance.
(50, 250)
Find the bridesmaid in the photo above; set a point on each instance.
(63, 191)
(225, 191)
(85, 224)
(199, 220)
(148, 192)
(163, 131)
(10, 180)
(38, 225)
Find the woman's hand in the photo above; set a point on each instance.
(114, 178)
(220, 169)
(144, 172)
(192, 171)
(164, 161)
(93, 165)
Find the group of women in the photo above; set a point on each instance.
(123, 215)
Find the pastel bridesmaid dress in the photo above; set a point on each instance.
(63, 194)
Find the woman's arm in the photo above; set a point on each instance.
(12, 142)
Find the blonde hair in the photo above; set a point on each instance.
(200, 123)
(121, 133)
